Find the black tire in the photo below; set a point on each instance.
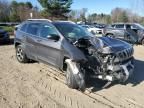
(110, 35)
(20, 54)
(70, 79)
(93, 32)
(75, 81)
(142, 42)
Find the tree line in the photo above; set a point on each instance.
(116, 15)
(19, 11)
(16, 11)
(61, 9)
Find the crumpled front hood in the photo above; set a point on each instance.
(109, 45)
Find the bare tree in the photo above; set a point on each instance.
(119, 15)
(4, 10)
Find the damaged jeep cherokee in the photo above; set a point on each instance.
(75, 51)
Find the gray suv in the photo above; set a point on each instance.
(130, 32)
(75, 51)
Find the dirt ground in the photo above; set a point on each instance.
(36, 85)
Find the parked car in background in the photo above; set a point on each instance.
(99, 28)
(74, 50)
(4, 36)
(91, 29)
(130, 32)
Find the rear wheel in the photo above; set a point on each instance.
(93, 32)
(110, 35)
(142, 42)
(20, 54)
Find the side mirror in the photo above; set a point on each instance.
(15, 28)
(54, 37)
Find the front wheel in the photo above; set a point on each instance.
(70, 79)
(142, 42)
(75, 81)
(20, 54)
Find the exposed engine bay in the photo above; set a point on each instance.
(85, 55)
(105, 65)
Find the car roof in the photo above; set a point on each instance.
(122, 23)
(85, 25)
(47, 20)
(63, 22)
(39, 20)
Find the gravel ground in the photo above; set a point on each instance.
(36, 85)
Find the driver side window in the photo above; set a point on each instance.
(46, 30)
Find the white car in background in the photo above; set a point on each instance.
(99, 28)
(92, 29)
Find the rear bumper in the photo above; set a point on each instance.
(4, 39)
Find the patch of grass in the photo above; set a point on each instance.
(9, 29)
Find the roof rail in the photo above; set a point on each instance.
(65, 21)
(39, 20)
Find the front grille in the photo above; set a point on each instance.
(125, 54)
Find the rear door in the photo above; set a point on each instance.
(132, 35)
(49, 50)
(119, 31)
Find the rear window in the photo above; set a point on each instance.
(112, 25)
(120, 26)
(33, 28)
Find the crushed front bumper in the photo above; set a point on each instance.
(122, 72)
(128, 70)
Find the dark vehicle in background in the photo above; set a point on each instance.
(74, 50)
(130, 32)
(4, 36)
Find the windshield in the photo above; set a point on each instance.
(138, 26)
(73, 31)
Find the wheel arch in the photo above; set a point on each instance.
(17, 43)
(109, 34)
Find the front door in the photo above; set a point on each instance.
(49, 50)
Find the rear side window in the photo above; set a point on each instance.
(120, 26)
(112, 26)
(128, 26)
(47, 29)
(33, 28)
(23, 28)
